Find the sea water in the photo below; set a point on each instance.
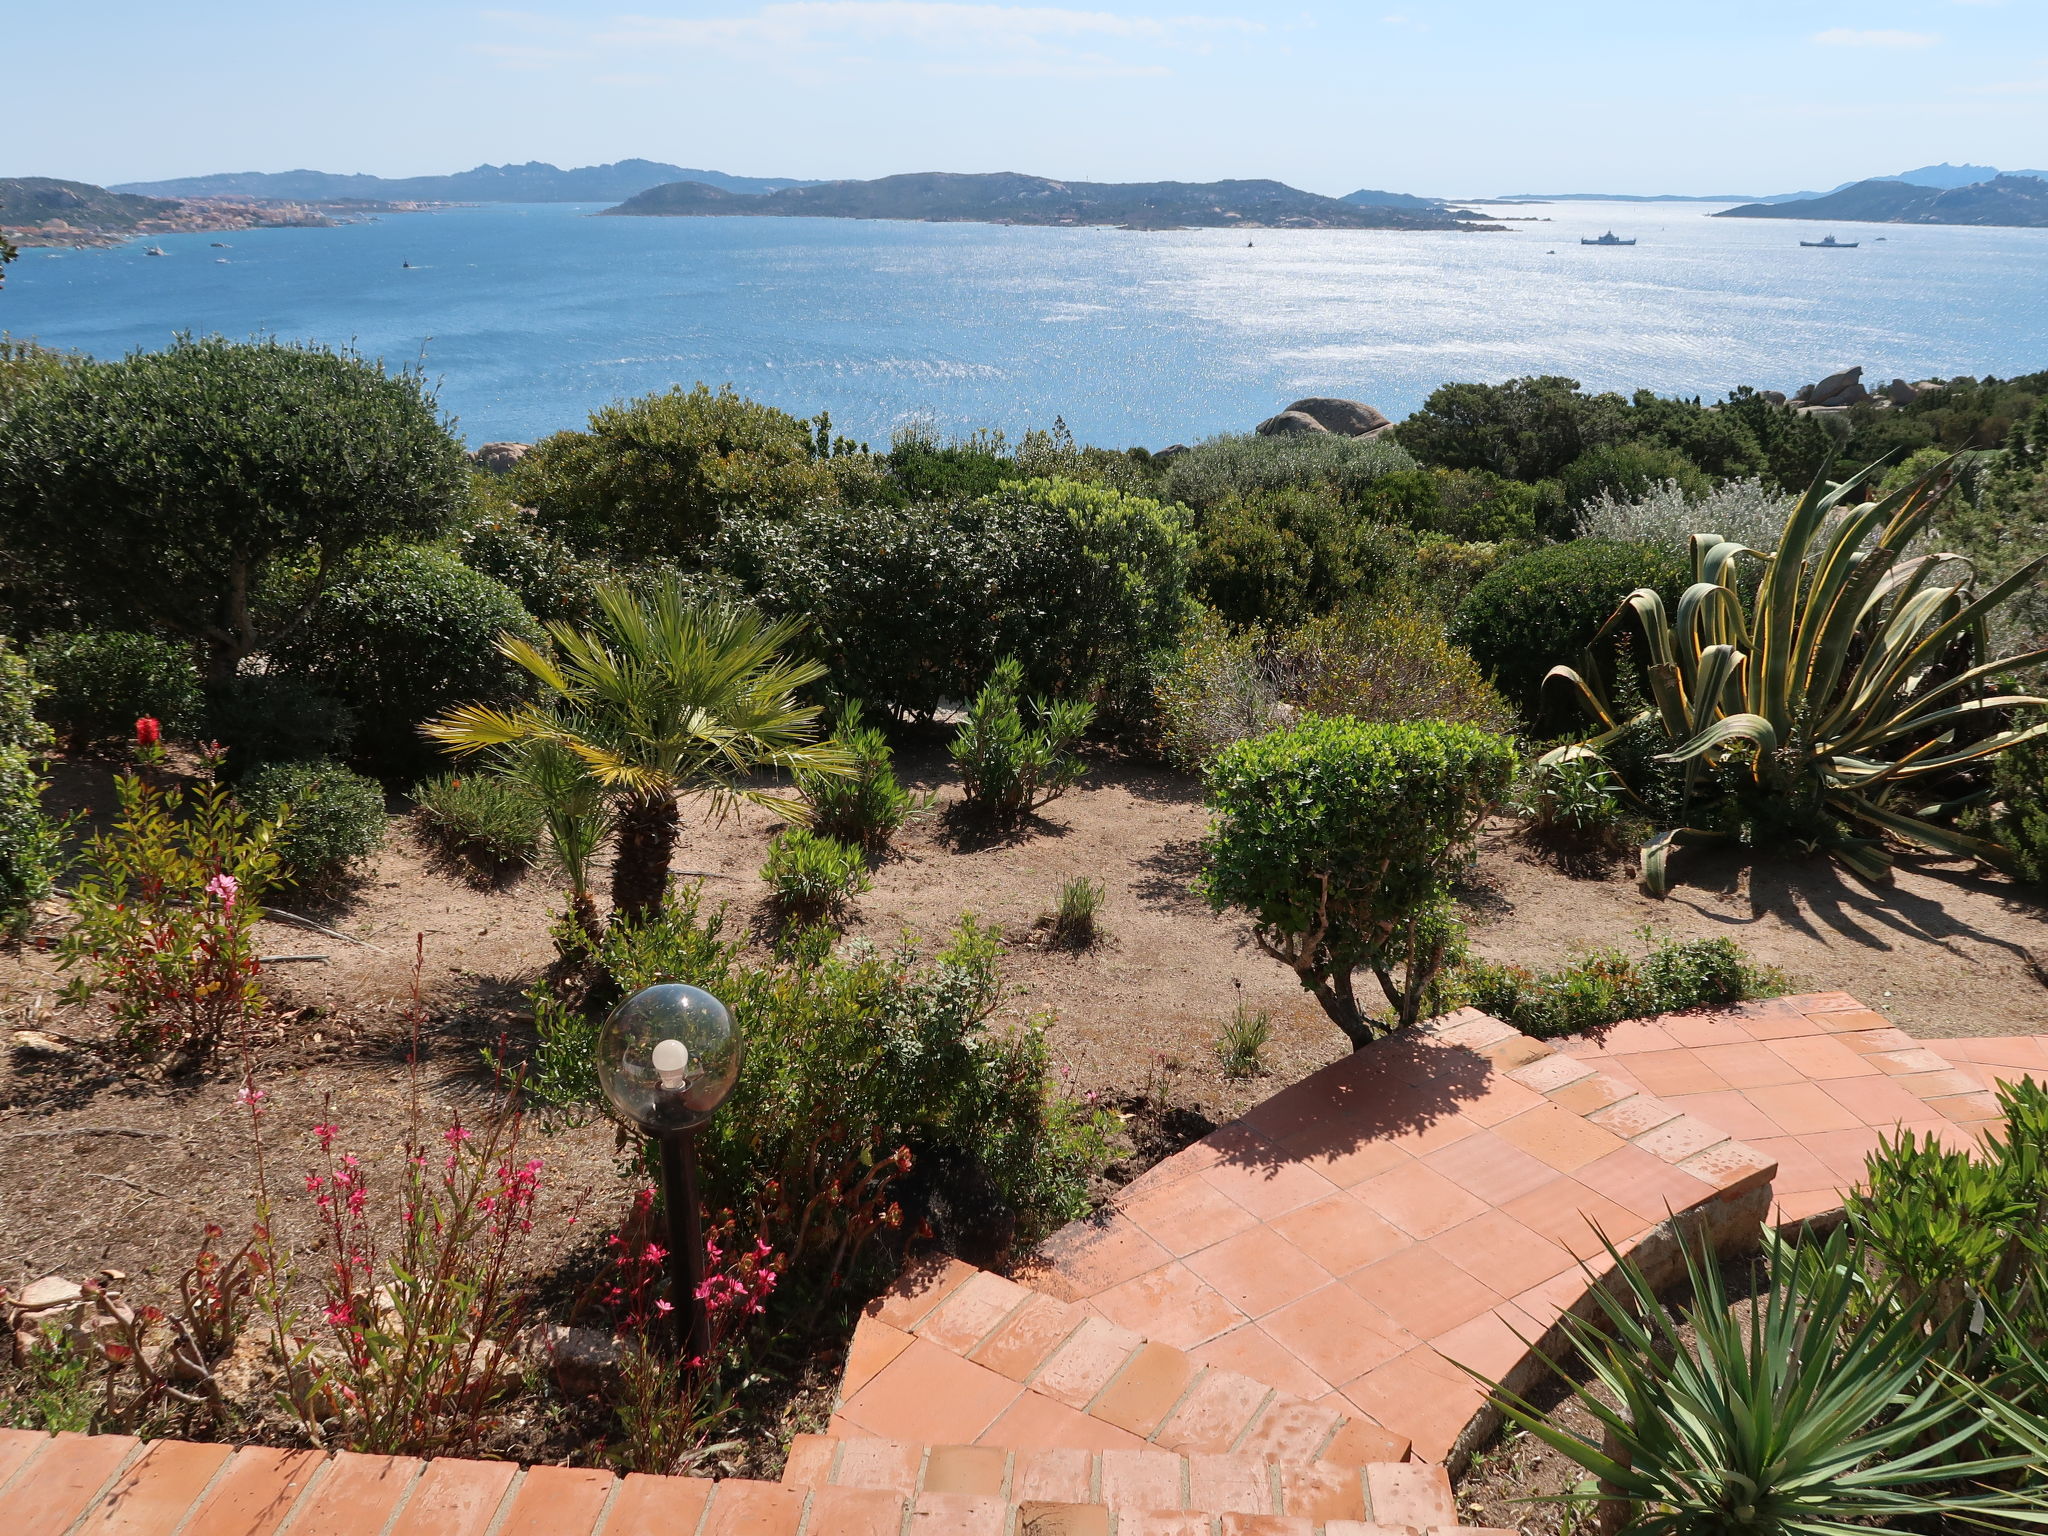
(529, 316)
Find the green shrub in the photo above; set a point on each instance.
(811, 878)
(335, 820)
(854, 1056)
(1604, 986)
(1219, 468)
(1524, 429)
(262, 717)
(402, 640)
(1009, 769)
(655, 478)
(551, 580)
(912, 606)
(1279, 557)
(2021, 786)
(1539, 609)
(1381, 667)
(101, 682)
(1573, 798)
(30, 842)
(1626, 471)
(21, 695)
(1240, 1048)
(485, 819)
(867, 806)
(1340, 840)
(1460, 503)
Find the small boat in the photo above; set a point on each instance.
(407, 265)
(220, 245)
(154, 250)
(1610, 238)
(1830, 244)
(220, 261)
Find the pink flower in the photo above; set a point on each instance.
(457, 1134)
(251, 1098)
(326, 1133)
(223, 886)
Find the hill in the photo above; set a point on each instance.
(27, 201)
(1008, 197)
(534, 182)
(2014, 201)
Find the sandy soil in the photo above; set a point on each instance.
(1944, 951)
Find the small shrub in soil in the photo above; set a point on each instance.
(333, 819)
(101, 682)
(810, 877)
(481, 819)
(1241, 1045)
(868, 806)
(1605, 986)
(1072, 922)
(1009, 769)
(2022, 787)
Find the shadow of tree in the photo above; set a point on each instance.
(1169, 879)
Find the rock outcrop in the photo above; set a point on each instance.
(1292, 424)
(498, 458)
(1837, 389)
(1346, 418)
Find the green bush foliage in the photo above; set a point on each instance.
(877, 1092)
(1380, 666)
(488, 820)
(865, 806)
(1541, 608)
(2021, 786)
(1524, 429)
(913, 605)
(101, 682)
(1075, 919)
(403, 639)
(1280, 557)
(1629, 470)
(30, 842)
(1467, 504)
(654, 478)
(1604, 986)
(1244, 466)
(266, 717)
(207, 490)
(1008, 768)
(811, 877)
(1340, 839)
(552, 581)
(333, 819)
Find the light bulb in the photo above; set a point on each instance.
(671, 1060)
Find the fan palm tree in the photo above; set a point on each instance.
(663, 697)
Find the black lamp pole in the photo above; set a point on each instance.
(685, 1243)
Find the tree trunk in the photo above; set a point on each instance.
(1334, 992)
(646, 842)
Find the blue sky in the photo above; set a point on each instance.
(1457, 97)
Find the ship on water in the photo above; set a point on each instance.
(1610, 238)
(1830, 243)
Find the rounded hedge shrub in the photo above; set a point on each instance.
(1533, 612)
(262, 717)
(102, 681)
(336, 818)
(403, 640)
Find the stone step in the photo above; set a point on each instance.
(1130, 1482)
(952, 1354)
(115, 1485)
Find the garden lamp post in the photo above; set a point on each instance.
(666, 1058)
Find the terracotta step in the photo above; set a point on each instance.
(954, 1354)
(1130, 1482)
(116, 1486)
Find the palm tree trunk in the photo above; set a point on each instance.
(647, 841)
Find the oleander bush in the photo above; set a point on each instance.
(101, 682)
(866, 806)
(487, 819)
(811, 877)
(1008, 767)
(400, 641)
(1340, 840)
(1532, 611)
(332, 819)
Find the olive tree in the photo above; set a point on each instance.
(213, 489)
(1340, 840)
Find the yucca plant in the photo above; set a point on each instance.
(1817, 1412)
(1845, 688)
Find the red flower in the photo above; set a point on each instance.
(148, 731)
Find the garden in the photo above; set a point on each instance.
(1034, 808)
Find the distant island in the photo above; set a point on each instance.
(1008, 197)
(534, 182)
(2013, 201)
(1942, 176)
(42, 210)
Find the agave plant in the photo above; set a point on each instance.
(1818, 1412)
(1851, 681)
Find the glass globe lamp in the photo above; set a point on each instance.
(668, 1056)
